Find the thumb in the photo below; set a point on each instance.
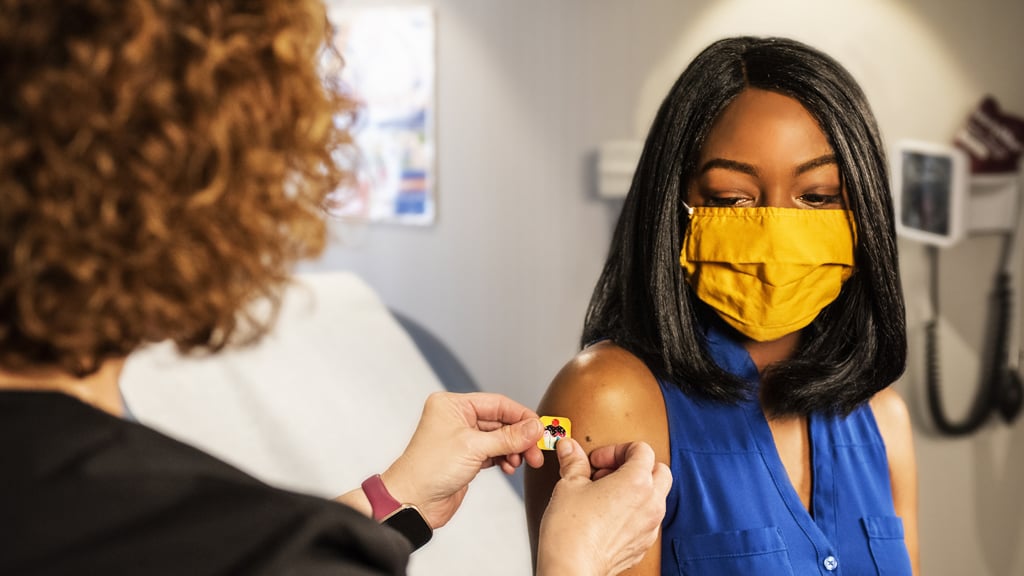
(572, 460)
(662, 479)
(510, 439)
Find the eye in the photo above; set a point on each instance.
(822, 200)
(725, 201)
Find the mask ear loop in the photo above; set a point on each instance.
(689, 217)
(686, 235)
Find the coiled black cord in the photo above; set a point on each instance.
(1002, 388)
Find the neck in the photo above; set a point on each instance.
(99, 389)
(765, 354)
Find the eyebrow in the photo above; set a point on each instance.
(815, 163)
(750, 169)
(729, 165)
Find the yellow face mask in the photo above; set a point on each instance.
(768, 272)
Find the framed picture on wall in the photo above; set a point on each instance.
(388, 68)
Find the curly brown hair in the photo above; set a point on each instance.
(163, 164)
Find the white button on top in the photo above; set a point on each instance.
(830, 563)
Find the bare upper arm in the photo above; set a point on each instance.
(894, 424)
(610, 397)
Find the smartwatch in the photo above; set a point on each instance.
(405, 518)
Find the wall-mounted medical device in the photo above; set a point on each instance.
(940, 203)
(930, 188)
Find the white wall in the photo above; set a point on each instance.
(526, 92)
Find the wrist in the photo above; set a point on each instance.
(568, 552)
(399, 486)
(561, 562)
(357, 500)
(382, 502)
(404, 517)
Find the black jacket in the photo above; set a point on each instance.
(83, 492)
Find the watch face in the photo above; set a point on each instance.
(411, 524)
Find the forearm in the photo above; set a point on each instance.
(356, 499)
(398, 486)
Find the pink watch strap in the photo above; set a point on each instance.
(382, 502)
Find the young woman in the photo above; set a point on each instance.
(748, 323)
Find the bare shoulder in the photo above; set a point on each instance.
(893, 419)
(894, 425)
(610, 396)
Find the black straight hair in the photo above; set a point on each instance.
(857, 344)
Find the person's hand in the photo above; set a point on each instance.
(458, 435)
(602, 526)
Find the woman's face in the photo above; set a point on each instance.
(766, 149)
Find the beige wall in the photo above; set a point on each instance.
(526, 92)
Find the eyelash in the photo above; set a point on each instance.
(822, 199)
(723, 201)
(810, 198)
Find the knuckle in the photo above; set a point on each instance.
(435, 398)
(508, 436)
(639, 483)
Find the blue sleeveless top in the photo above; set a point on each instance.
(732, 509)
